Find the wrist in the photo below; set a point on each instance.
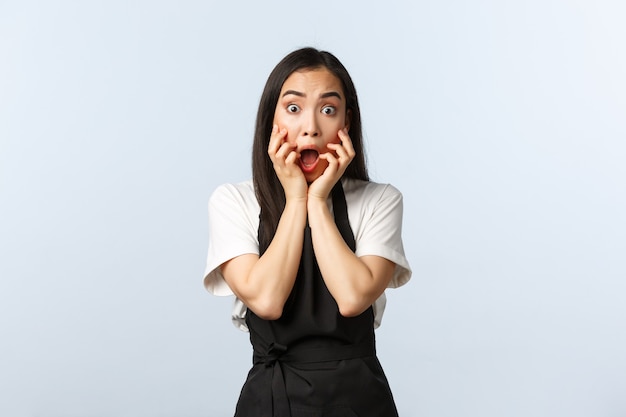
(296, 201)
(317, 209)
(297, 196)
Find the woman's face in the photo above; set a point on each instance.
(312, 107)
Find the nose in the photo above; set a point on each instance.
(311, 127)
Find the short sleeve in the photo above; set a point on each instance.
(380, 230)
(233, 225)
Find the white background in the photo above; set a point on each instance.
(502, 122)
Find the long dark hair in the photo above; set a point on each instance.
(268, 189)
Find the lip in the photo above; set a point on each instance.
(311, 167)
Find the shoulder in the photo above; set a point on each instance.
(240, 195)
(240, 190)
(359, 192)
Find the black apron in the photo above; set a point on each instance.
(312, 361)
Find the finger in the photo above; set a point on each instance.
(277, 138)
(292, 158)
(272, 147)
(285, 150)
(346, 142)
(343, 154)
(333, 163)
(338, 149)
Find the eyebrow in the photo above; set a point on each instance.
(300, 94)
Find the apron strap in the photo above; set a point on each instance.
(340, 210)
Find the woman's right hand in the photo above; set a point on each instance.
(285, 159)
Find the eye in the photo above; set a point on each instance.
(329, 110)
(293, 108)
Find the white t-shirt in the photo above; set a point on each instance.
(374, 214)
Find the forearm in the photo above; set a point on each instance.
(350, 281)
(270, 278)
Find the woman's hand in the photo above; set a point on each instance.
(338, 160)
(285, 159)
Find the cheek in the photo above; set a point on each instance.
(331, 131)
(282, 124)
(335, 138)
(291, 136)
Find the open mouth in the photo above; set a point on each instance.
(309, 157)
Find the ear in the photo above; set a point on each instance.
(348, 119)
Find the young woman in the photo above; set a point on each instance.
(308, 247)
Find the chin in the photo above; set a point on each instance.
(312, 176)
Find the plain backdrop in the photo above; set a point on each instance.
(502, 122)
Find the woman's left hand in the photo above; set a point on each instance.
(338, 160)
